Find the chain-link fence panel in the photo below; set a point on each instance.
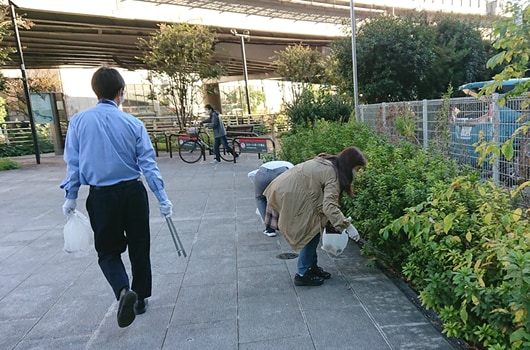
(457, 126)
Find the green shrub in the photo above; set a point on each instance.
(461, 243)
(8, 164)
(397, 177)
(469, 257)
(315, 105)
(325, 137)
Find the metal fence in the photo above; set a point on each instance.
(455, 126)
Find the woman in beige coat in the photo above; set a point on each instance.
(306, 198)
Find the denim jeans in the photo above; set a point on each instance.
(308, 255)
(263, 178)
(217, 143)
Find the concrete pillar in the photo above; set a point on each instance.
(212, 96)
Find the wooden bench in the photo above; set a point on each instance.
(240, 130)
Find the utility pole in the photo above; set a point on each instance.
(243, 36)
(354, 60)
(24, 81)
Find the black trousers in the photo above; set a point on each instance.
(119, 216)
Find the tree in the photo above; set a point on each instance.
(38, 81)
(410, 58)
(6, 30)
(512, 39)
(460, 55)
(303, 66)
(235, 97)
(394, 55)
(180, 54)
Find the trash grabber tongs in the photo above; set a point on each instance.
(175, 236)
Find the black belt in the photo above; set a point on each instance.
(115, 186)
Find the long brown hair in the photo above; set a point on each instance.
(343, 163)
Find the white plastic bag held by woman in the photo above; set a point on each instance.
(334, 243)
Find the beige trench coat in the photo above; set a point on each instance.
(306, 198)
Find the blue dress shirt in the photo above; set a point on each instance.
(104, 146)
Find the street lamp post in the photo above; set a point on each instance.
(243, 36)
(354, 60)
(25, 81)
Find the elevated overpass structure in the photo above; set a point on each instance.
(78, 33)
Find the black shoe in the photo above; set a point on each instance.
(126, 313)
(318, 271)
(307, 280)
(140, 306)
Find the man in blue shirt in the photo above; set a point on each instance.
(108, 150)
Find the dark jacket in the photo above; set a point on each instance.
(215, 123)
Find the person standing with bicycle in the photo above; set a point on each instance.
(215, 123)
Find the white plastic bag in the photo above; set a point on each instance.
(78, 236)
(334, 243)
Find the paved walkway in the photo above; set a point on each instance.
(231, 292)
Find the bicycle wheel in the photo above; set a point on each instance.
(227, 156)
(190, 151)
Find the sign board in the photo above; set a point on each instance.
(41, 106)
(253, 144)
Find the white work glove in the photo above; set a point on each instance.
(166, 208)
(69, 207)
(352, 233)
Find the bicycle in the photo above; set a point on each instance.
(193, 146)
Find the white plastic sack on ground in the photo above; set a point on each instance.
(334, 243)
(78, 236)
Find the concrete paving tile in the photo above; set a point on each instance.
(346, 328)
(335, 293)
(168, 262)
(133, 337)
(29, 302)
(10, 282)
(387, 304)
(293, 343)
(270, 316)
(146, 332)
(355, 264)
(416, 337)
(70, 342)
(62, 269)
(165, 291)
(205, 303)
(14, 331)
(202, 336)
(203, 248)
(77, 315)
(253, 242)
(20, 236)
(264, 279)
(8, 249)
(258, 258)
